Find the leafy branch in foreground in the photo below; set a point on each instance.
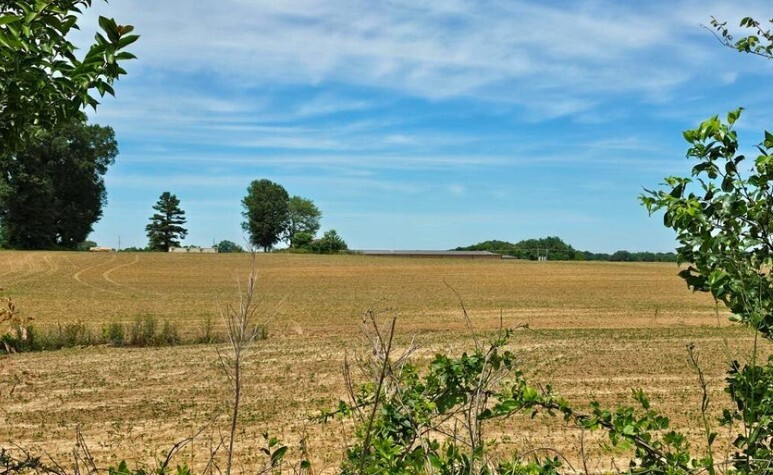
(724, 221)
(432, 420)
(759, 42)
(42, 81)
(723, 218)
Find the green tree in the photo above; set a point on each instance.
(330, 243)
(165, 226)
(303, 218)
(622, 256)
(228, 246)
(52, 192)
(267, 213)
(303, 241)
(42, 82)
(86, 245)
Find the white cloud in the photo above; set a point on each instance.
(498, 49)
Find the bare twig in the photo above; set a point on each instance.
(242, 332)
(467, 320)
(693, 358)
(182, 443)
(368, 432)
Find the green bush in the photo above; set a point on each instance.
(143, 331)
(170, 334)
(67, 335)
(113, 334)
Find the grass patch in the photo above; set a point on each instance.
(144, 331)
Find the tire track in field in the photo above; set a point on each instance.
(54, 267)
(32, 272)
(67, 258)
(77, 275)
(50, 269)
(11, 269)
(106, 274)
(106, 277)
(12, 266)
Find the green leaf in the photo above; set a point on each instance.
(109, 26)
(278, 455)
(127, 40)
(727, 184)
(768, 140)
(6, 19)
(733, 116)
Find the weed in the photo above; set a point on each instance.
(113, 334)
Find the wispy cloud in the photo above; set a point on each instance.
(505, 50)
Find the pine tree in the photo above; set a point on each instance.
(165, 226)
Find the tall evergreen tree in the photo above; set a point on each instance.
(165, 226)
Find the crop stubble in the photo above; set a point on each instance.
(596, 330)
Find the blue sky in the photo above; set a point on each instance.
(420, 125)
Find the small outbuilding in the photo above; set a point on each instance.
(194, 250)
(437, 254)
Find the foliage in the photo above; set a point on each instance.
(412, 421)
(166, 226)
(52, 192)
(750, 388)
(303, 221)
(42, 82)
(267, 213)
(302, 241)
(555, 249)
(722, 219)
(329, 243)
(758, 42)
(416, 421)
(85, 245)
(135, 249)
(228, 246)
(21, 335)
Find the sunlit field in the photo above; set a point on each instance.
(594, 330)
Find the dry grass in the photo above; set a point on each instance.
(597, 329)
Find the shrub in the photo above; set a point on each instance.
(113, 334)
(143, 331)
(170, 334)
(330, 243)
(68, 335)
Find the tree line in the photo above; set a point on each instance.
(555, 249)
(271, 216)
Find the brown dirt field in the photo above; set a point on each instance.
(596, 330)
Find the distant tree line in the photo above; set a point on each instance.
(555, 249)
(271, 216)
